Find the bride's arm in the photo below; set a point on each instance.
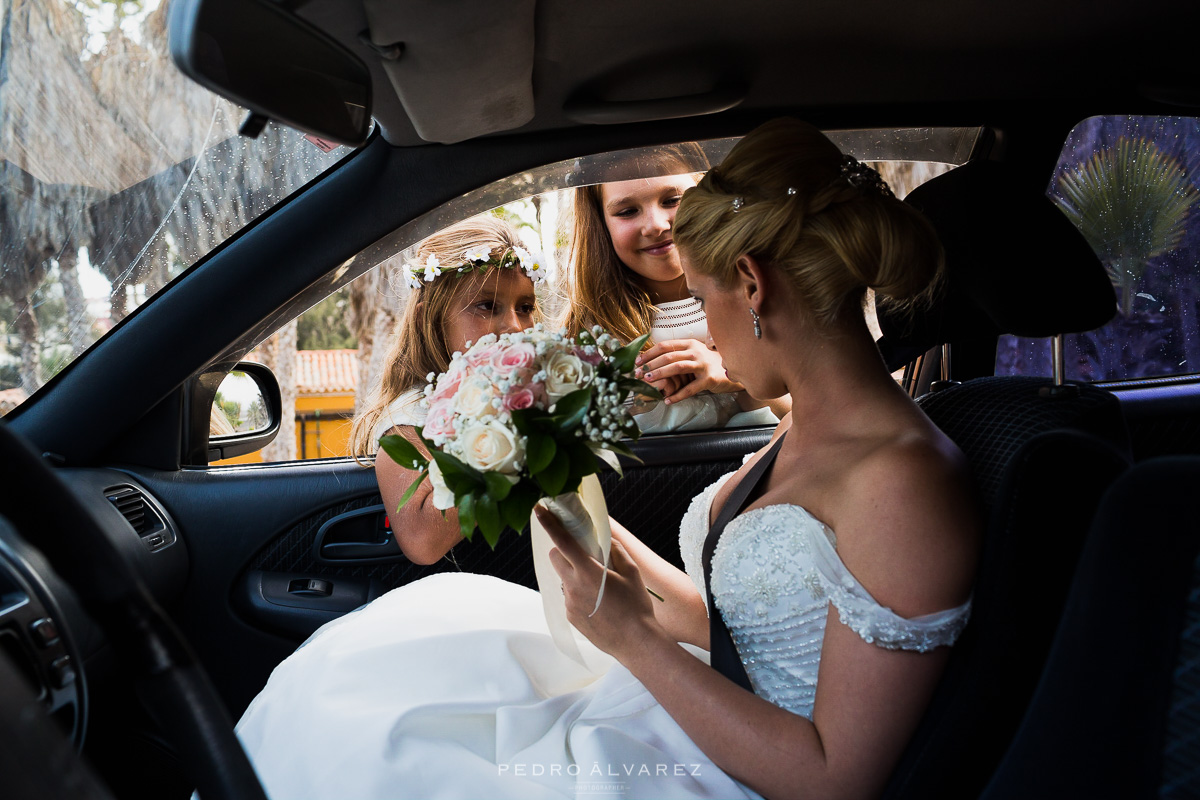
(682, 613)
(869, 699)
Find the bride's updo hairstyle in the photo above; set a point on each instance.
(788, 197)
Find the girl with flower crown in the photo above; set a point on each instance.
(469, 280)
(627, 278)
(826, 579)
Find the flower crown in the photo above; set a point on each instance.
(476, 260)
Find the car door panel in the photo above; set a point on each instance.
(1163, 417)
(252, 533)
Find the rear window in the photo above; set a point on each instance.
(1129, 183)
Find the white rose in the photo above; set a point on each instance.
(443, 498)
(490, 447)
(565, 373)
(475, 397)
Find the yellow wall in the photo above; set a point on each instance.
(325, 436)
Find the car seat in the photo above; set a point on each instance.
(1041, 452)
(1117, 712)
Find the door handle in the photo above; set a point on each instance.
(358, 536)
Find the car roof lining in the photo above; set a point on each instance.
(795, 55)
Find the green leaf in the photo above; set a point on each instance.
(487, 515)
(403, 452)
(608, 457)
(518, 506)
(573, 402)
(571, 410)
(460, 478)
(623, 360)
(412, 489)
(539, 452)
(429, 446)
(554, 476)
(583, 460)
(466, 516)
(523, 420)
(621, 449)
(498, 486)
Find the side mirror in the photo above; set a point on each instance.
(270, 61)
(234, 412)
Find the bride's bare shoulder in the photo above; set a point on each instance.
(908, 525)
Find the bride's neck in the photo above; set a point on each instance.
(833, 377)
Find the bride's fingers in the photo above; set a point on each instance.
(623, 563)
(570, 549)
(561, 565)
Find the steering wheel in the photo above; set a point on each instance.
(168, 679)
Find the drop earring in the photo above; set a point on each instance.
(757, 326)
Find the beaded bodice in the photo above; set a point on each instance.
(775, 573)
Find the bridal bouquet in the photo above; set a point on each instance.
(519, 417)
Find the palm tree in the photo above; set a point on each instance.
(1131, 202)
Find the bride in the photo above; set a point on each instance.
(839, 560)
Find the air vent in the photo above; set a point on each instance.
(141, 516)
(132, 505)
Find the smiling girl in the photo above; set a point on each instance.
(626, 277)
(472, 279)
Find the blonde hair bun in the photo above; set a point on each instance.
(785, 196)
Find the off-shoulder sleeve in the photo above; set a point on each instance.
(878, 624)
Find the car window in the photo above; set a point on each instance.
(330, 355)
(116, 175)
(1129, 184)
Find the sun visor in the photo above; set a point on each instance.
(466, 69)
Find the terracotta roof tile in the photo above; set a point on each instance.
(326, 371)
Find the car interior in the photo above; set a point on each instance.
(146, 592)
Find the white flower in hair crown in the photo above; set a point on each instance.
(476, 259)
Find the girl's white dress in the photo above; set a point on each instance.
(450, 687)
(685, 319)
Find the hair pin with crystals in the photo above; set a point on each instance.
(476, 260)
(740, 201)
(861, 176)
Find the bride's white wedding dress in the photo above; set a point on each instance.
(451, 687)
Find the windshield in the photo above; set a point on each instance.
(116, 174)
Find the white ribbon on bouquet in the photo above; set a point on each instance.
(585, 516)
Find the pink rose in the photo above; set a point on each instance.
(440, 420)
(514, 357)
(520, 397)
(478, 356)
(448, 383)
(593, 359)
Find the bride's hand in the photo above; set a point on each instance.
(700, 366)
(625, 614)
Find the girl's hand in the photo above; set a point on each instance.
(625, 616)
(699, 365)
(670, 384)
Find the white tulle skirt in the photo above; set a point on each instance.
(451, 688)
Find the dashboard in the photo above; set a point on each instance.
(55, 647)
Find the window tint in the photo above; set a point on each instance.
(1129, 184)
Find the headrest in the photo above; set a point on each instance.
(1014, 264)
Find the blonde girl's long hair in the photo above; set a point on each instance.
(602, 290)
(419, 345)
(798, 212)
